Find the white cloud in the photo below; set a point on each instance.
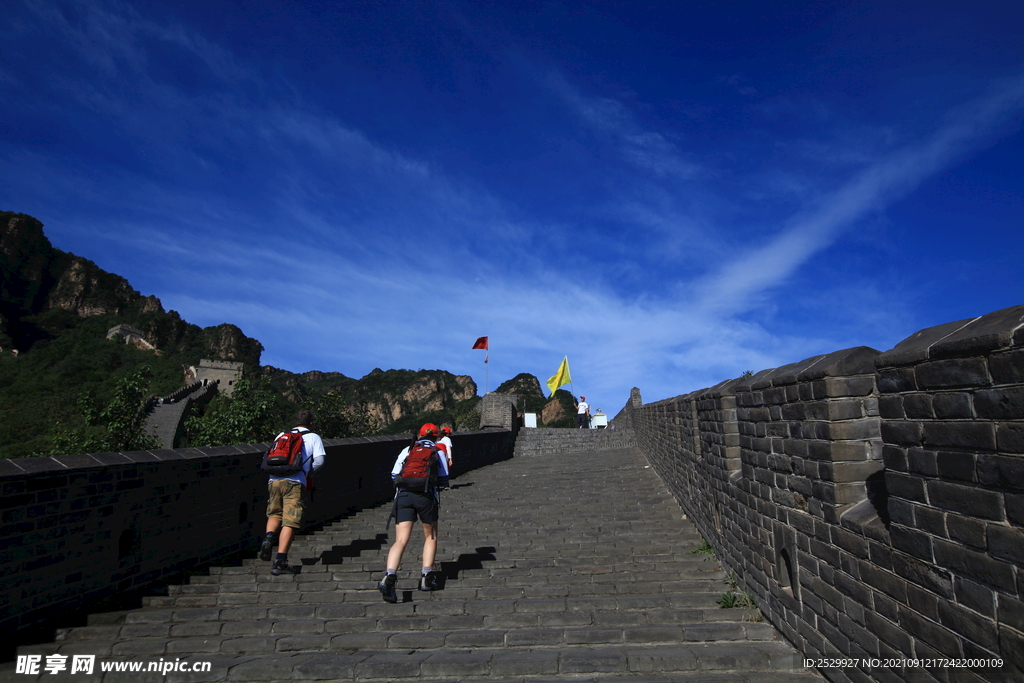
(731, 289)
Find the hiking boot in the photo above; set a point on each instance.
(428, 582)
(266, 549)
(388, 587)
(282, 567)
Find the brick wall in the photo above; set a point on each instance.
(873, 503)
(548, 441)
(79, 529)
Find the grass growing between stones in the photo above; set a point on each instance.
(704, 549)
(734, 598)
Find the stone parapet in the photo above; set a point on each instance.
(83, 528)
(873, 503)
(532, 442)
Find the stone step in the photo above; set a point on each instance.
(320, 635)
(638, 609)
(670, 664)
(538, 584)
(742, 646)
(598, 572)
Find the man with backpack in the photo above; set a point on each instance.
(418, 472)
(296, 454)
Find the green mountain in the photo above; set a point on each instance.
(389, 401)
(55, 312)
(558, 411)
(58, 369)
(61, 376)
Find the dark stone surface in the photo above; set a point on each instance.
(983, 335)
(914, 348)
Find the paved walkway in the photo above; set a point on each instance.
(568, 567)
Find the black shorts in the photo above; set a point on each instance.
(411, 505)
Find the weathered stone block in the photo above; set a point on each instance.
(849, 386)
(967, 530)
(1010, 611)
(843, 409)
(974, 564)
(1014, 508)
(866, 428)
(967, 500)
(1000, 404)
(901, 432)
(855, 472)
(923, 462)
(890, 406)
(885, 581)
(1010, 437)
(956, 465)
(924, 573)
(905, 486)
(959, 372)
(973, 627)
(960, 434)
(911, 541)
(918, 406)
(1006, 543)
(953, 406)
(1008, 367)
(896, 380)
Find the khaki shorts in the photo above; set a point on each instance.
(286, 502)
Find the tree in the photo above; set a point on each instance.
(249, 415)
(119, 426)
(335, 418)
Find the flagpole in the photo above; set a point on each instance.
(487, 371)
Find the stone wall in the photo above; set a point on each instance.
(546, 441)
(220, 372)
(80, 529)
(872, 503)
(499, 411)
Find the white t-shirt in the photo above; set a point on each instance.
(584, 408)
(447, 443)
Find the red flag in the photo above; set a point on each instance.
(481, 343)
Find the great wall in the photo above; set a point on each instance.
(871, 503)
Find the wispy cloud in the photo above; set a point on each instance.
(645, 149)
(731, 289)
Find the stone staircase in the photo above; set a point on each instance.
(549, 441)
(576, 566)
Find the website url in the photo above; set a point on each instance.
(86, 664)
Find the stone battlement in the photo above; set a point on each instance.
(872, 502)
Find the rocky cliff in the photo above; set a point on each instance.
(36, 278)
(391, 398)
(556, 412)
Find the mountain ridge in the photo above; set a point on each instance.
(55, 312)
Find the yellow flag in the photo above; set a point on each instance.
(561, 377)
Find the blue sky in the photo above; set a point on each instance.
(669, 193)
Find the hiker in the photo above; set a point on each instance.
(418, 472)
(287, 491)
(445, 444)
(583, 413)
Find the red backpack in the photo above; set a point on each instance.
(285, 457)
(419, 471)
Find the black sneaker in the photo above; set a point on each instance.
(282, 567)
(388, 587)
(428, 582)
(266, 549)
